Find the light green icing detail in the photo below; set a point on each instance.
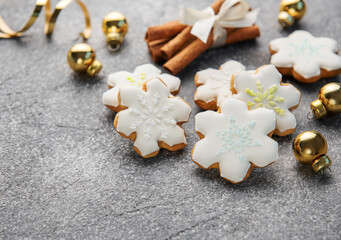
(279, 99)
(260, 86)
(265, 98)
(279, 111)
(272, 89)
(250, 104)
(143, 75)
(270, 97)
(250, 92)
(134, 82)
(258, 100)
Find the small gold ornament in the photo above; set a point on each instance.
(82, 58)
(329, 100)
(115, 27)
(311, 148)
(291, 11)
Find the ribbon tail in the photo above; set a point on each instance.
(202, 28)
(228, 5)
(219, 36)
(249, 19)
(235, 12)
(189, 16)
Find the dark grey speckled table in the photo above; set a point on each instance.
(66, 174)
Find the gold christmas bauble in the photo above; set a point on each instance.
(82, 58)
(311, 148)
(329, 100)
(115, 27)
(291, 11)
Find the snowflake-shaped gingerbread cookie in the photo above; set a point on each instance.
(306, 57)
(264, 88)
(152, 118)
(235, 140)
(213, 86)
(137, 78)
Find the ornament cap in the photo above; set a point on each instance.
(114, 41)
(94, 68)
(321, 164)
(285, 19)
(318, 109)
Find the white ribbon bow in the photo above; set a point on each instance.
(232, 13)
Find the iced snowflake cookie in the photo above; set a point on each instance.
(264, 88)
(213, 86)
(305, 57)
(152, 118)
(137, 78)
(235, 140)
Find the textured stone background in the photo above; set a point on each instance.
(65, 172)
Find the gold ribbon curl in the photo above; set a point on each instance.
(50, 19)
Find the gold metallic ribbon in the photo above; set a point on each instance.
(50, 19)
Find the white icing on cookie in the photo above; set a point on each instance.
(263, 89)
(215, 84)
(154, 116)
(137, 78)
(305, 53)
(235, 138)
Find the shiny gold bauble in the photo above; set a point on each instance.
(291, 11)
(82, 58)
(311, 148)
(115, 27)
(329, 100)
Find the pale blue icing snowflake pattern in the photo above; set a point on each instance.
(150, 115)
(306, 50)
(236, 138)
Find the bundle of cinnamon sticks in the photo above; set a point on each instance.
(173, 43)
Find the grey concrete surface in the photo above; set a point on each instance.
(66, 174)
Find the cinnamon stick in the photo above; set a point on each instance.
(177, 43)
(187, 55)
(195, 48)
(185, 37)
(166, 30)
(154, 48)
(242, 34)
